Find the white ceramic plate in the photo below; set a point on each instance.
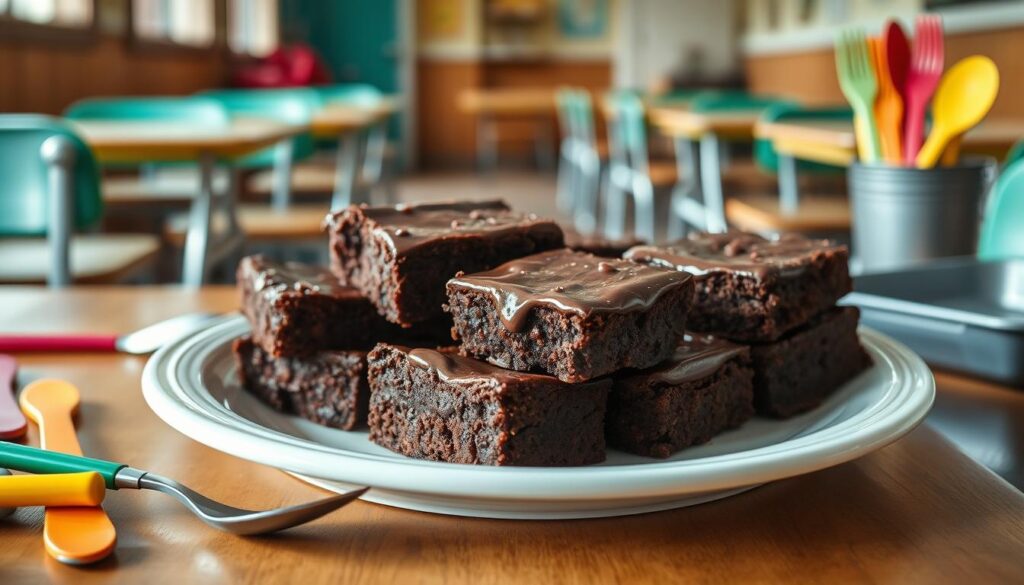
(192, 385)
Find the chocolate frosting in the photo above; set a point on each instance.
(570, 281)
(273, 279)
(455, 368)
(741, 252)
(698, 356)
(408, 226)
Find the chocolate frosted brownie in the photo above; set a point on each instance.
(328, 387)
(573, 315)
(703, 389)
(295, 309)
(400, 257)
(752, 289)
(800, 370)
(445, 407)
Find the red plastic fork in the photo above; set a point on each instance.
(926, 63)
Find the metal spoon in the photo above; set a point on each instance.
(119, 476)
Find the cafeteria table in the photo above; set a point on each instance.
(916, 511)
(136, 142)
(700, 172)
(347, 123)
(834, 142)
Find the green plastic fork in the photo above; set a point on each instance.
(859, 85)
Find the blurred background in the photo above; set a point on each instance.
(157, 141)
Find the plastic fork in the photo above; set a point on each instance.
(888, 104)
(926, 63)
(857, 80)
(119, 476)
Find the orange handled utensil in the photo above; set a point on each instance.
(79, 535)
(888, 105)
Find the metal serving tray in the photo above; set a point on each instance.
(957, 313)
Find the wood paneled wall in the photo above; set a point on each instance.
(811, 76)
(447, 136)
(47, 77)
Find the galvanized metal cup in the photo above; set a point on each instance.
(903, 216)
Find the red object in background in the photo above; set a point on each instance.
(295, 65)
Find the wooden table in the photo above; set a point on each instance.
(697, 137)
(124, 142)
(347, 124)
(916, 511)
(491, 105)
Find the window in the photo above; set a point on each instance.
(252, 26)
(188, 23)
(47, 18)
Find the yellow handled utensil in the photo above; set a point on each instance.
(965, 95)
(61, 489)
(80, 535)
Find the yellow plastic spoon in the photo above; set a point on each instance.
(965, 95)
(59, 489)
(79, 535)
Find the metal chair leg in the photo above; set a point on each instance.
(585, 215)
(614, 205)
(346, 170)
(197, 240)
(643, 196)
(282, 193)
(59, 154)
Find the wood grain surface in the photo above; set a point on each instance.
(918, 511)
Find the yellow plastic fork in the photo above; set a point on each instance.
(857, 80)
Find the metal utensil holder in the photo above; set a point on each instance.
(903, 216)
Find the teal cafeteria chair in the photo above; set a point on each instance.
(630, 170)
(51, 189)
(580, 164)
(1002, 228)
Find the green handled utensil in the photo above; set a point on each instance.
(860, 86)
(119, 476)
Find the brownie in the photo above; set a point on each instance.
(442, 406)
(754, 289)
(705, 388)
(400, 257)
(295, 309)
(328, 388)
(569, 314)
(797, 372)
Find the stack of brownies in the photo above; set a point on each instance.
(779, 297)
(558, 351)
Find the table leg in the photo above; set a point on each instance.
(197, 239)
(346, 170)
(711, 182)
(789, 189)
(282, 193)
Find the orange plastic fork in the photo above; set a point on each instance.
(888, 104)
(926, 63)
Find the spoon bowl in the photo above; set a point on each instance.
(49, 397)
(965, 95)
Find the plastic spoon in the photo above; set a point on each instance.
(963, 98)
(79, 535)
(12, 423)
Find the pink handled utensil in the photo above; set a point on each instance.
(143, 341)
(12, 421)
(926, 64)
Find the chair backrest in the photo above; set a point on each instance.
(25, 197)
(359, 94)
(627, 133)
(1002, 228)
(291, 106)
(764, 152)
(192, 109)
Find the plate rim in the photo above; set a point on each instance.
(880, 424)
